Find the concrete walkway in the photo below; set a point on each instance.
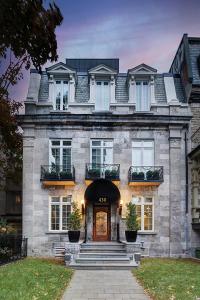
(104, 285)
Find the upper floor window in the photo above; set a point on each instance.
(102, 101)
(143, 153)
(145, 212)
(142, 96)
(101, 152)
(60, 155)
(60, 209)
(61, 95)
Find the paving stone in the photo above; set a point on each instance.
(104, 285)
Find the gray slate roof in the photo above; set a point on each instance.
(194, 53)
(82, 88)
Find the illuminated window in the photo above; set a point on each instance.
(60, 209)
(145, 212)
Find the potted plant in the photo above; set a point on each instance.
(111, 174)
(94, 173)
(152, 175)
(52, 175)
(74, 224)
(65, 175)
(131, 223)
(138, 176)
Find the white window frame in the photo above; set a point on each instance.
(102, 147)
(61, 204)
(61, 149)
(142, 203)
(138, 102)
(109, 89)
(62, 92)
(142, 147)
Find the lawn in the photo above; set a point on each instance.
(33, 279)
(170, 279)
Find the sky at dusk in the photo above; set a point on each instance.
(135, 31)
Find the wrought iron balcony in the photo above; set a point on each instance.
(57, 175)
(145, 175)
(96, 171)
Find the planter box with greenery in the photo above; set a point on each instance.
(67, 175)
(74, 224)
(152, 175)
(111, 174)
(94, 173)
(131, 223)
(52, 175)
(138, 176)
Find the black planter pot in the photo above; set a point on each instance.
(74, 236)
(131, 235)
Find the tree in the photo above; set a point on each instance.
(75, 217)
(131, 217)
(27, 35)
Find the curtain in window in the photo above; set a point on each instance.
(102, 96)
(142, 96)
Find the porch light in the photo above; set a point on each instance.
(120, 207)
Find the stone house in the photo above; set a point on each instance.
(89, 127)
(187, 64)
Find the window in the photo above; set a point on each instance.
(143, 153)
(60, 209)
(101, 152)
(61, 95)
(102, 96)
(145, 212)
(60, 154)
(142, 96)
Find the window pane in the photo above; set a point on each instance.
(65, 95)
(138, 212)
(67, 143)
(107, 156)
(148, 217)
(67, 199)
(98, 82)
(55, 143)
(66, 159)
(148, 157)
(108, 144)
(105, 83)
(96, 143)
(66, 210)
(96, 156)
(55, 157)
(148, 200)
(137, 157)
(137, 144)
(55, 199)
(55, 217)
(148, 144)
(58, 94)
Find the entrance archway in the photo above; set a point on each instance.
(102, 199)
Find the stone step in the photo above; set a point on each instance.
(102, 254)
(110, 260)
(102, 250)
(59, 251)
(107, 266)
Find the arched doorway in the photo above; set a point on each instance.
(102, 202)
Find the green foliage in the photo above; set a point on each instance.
(170, 279)
(131, 217)
(34, 279)
(75, 217)
(27, 35)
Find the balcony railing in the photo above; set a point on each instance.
(57, 173)
(96, 171)
(145, 175)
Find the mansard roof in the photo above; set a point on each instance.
(60, 68)
(142, 69)
(102, 69)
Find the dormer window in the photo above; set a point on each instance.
(141, 87)
(143, 94)
(61, 86)
(61, 95)
(102, 101)
(102, 87)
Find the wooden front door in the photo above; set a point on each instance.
(101, 223)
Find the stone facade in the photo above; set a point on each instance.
(166, 123)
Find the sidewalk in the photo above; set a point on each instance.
(104, 285)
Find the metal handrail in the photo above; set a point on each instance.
(145, 173)
(57, 172)
(107, 171)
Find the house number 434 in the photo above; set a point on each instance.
(102, 200)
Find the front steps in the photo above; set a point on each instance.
(103, 255)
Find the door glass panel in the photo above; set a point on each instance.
(67, 159)
(101, 223)
(96, 156)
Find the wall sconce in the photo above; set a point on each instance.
(83, 207)
(120, 207)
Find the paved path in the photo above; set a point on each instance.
(104, 285)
